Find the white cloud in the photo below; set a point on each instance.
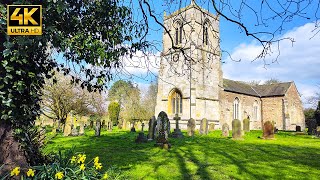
(299, 62)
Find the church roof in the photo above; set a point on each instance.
(276, 89)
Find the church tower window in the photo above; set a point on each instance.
(175, 102)
(178, 30)
(205, 35)
(236, 109)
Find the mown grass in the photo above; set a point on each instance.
(289, 156)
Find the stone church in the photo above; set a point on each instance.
(191, 82)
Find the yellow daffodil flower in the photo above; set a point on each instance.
(73, 159)
(82, 167)
(98, 165)
(81, 159)
(30, 173)
(59, 175)
(105, 176)
(15, 171)
(96, 159)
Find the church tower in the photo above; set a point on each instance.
(190, 75)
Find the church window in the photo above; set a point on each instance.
(176, 102)
(255, 110)
(178, 30)
(205, 36)
(236, 109)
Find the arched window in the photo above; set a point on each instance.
(236, 109)
(178, 30)
(255, 110)
(176, 102)
(205, 35)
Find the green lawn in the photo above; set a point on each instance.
(289, 156)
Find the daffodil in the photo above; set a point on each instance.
(105, 176)
(82, 167)
(15, 171)
(96, 159)
(30, 173)
(59, 175)
(98, 165)
(73, 159)
(81, 159)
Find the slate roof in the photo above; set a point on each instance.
(277, 89)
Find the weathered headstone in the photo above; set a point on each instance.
(191, 127)
(98, 128)
(74, 131)
(298, 128)
(211, 127)
(67, 127)
(236, 129)
(246, 125)
(133, 129)
(81, 130)
(151, 128)
(141, 137)
(225, 130)
(177, 132)
(312, 127)
(162, 128)
(204, 126)
(268, 130)
(318, 131)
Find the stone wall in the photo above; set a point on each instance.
(245, 108)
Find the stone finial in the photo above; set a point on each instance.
(192, 2)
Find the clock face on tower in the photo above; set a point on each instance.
(175, 58)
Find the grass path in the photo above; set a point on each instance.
(289, 156)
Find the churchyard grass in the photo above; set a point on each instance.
(211, 156)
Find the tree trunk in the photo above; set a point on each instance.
(10, 153)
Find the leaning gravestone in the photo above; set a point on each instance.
(162, 128)
(191, 127)
(67, 127)
(225, 130)
(151, 128)
(312, 127)
(204, 126)
(236, 129)
(268, 130)
(246, 125)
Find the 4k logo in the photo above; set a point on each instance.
(24, 20)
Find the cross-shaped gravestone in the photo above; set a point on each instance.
(177, 132)
(177, 118)
(142, 125)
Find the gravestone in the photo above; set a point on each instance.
(298, 128)
(74, 131)
(81, 130)
(67, 127)
(151, 128)
(162, 128)
(318, 131)
(268, 130)
(191, 127)
(312, 127)
(211, 127)
(204, 126)
(98, 128)
(141, 137)
(225, 130)
(177, 132)
(133, 129)
(246, 125)
(236, 129)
